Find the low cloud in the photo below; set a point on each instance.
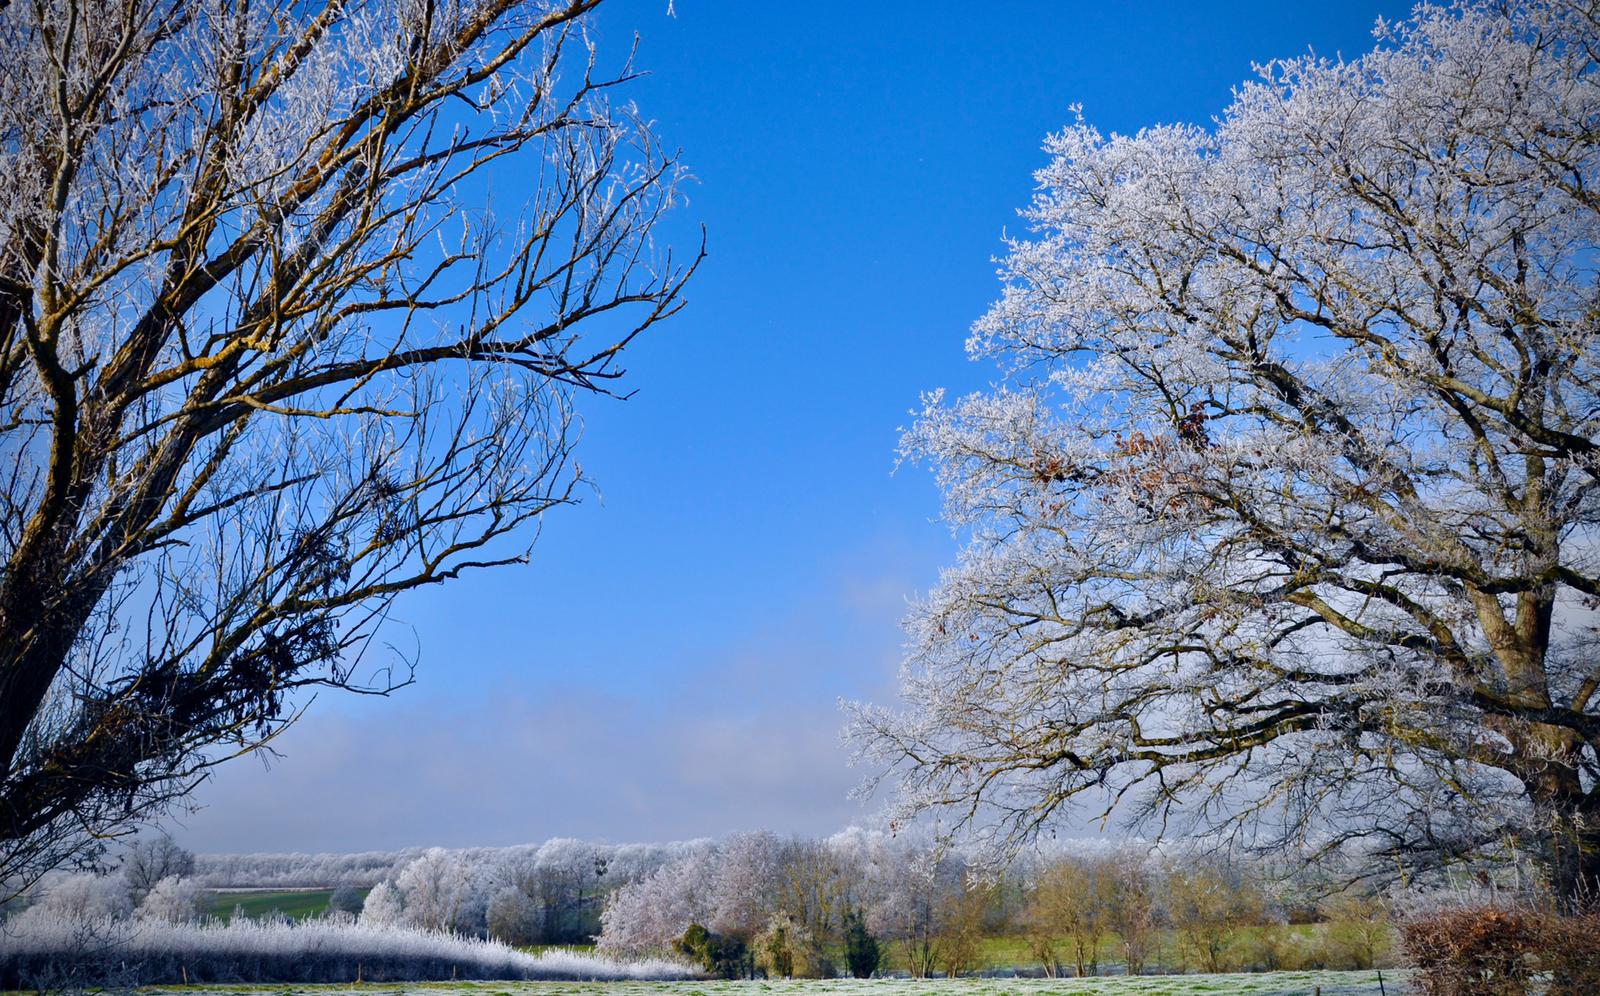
(747, 738)
(518, 767)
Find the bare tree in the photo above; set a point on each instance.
(274, 348)
(914, 901)
(1210, 903)
(1360, 924)
(152, 859)
(961, 914)
(811, 887)
(1132, 914)
(1284, 528)
(1071, 905)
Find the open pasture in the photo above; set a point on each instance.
(257, 903)
(1256, 984)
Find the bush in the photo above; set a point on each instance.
(172, 900)
(1492, 951)
(786, 950)
(1472, 951)
(1570, 952)
(720, 955)
(347, 899)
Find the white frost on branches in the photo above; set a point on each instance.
(1283, 521)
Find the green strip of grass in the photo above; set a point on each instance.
(297, 903)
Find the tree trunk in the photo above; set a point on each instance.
(1572, 859)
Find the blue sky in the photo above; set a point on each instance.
(670, 662)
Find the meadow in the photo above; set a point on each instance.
(258, 903)
(1325, 983)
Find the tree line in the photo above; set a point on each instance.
(859, 902)
(863, 902)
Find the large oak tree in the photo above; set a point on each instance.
(1283, 524)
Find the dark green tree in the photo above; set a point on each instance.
(722, 956)
(861, 951)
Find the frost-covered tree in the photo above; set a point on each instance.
(384, 906)
(913, 903)
(512, 917)
(651, 913)
(747, 882)
(83, 896)
(1134, 913)
(1283, 523)
(274, 349)
(361, 870)
(435, 887)
(152, 859)
(172, 900)
(864, 856)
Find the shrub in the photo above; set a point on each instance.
(83, 896)
(720, 955)
(786, 950)
(1569, 949)
(346, 899)
(1472, 951)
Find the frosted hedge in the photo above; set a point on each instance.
(42, 951)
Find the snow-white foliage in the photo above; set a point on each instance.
(624, 862)
(82, 896)
(300, 871)
(384, 906)
(1283, 519)
(313, 951)
(746, 884)
(435, 889)
(560, 886)
(904, 885)
(172, 900)
(649, 914)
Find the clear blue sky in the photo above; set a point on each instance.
(669, 664)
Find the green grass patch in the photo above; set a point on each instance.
(260, 903)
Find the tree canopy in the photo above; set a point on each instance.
(1281, 525)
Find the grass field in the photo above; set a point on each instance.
(258, 903)
(1264, 984)
(1166, 951)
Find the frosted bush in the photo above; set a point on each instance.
(83, 896)
(172, 900)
